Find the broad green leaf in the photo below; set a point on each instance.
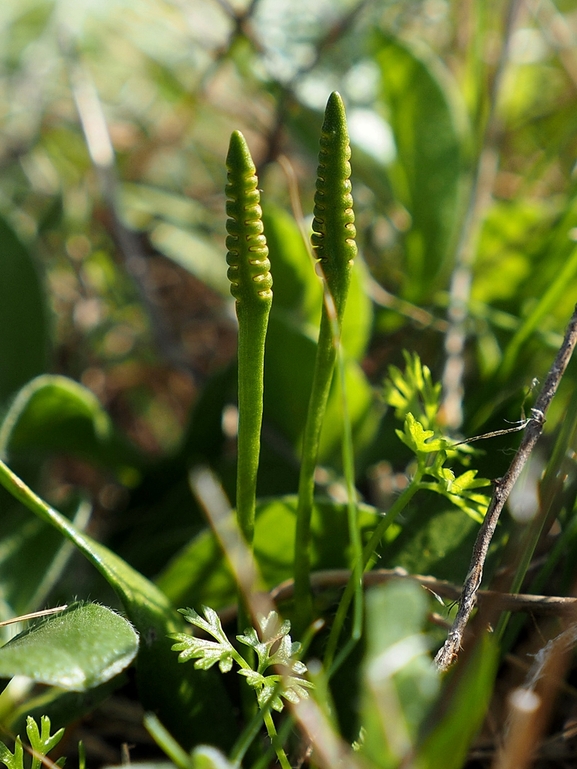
(298, 289)
(206, 757)
(143, 205)
(24, 337)
(363, 412)
(437, 540)
(358, 319)
(200, 575)
(83, 647)
(462, 706)
(165, 687)
(56, 414)
(195, 252)
(32, 557)
(288, 376)
(400, 682)
(428, 122)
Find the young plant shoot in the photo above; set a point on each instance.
(333, 241)
(251, 284)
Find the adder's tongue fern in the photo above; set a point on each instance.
(334, 244)
(334, 232)
(251, 284)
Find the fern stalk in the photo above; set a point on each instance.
(251, 284)
(333, 241)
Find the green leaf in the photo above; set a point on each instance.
(437, 540)
(357, 323)
(24, 340)
(419, 440)
(462, 706)
(81, 648)
(196, 253)
(12, 760)
(32, 558)
(400, 682)
(206, 653)
(429, 126)
(287, 387)
(207, 757)
(56, 414)
(298, 290)
(164, 686)
(298, 293)
(545, 305)
(200, 574)
(413, 391)
(41, 741)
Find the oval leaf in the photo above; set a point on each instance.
(24, 341)
(429, 126)
(53, 413)
(76, 650)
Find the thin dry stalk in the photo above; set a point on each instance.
(503, 486)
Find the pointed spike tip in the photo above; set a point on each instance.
(335, 115)
(238, 152)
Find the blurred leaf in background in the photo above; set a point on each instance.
(117, 331)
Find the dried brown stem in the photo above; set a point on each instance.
(503, 486)
(331, 579)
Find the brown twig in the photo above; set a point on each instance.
(330, 579)
(503, 486)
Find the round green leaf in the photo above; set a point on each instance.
(81, 648)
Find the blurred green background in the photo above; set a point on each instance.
(115, 119)
(117, 328)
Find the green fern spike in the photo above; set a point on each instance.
(334, 232)
(251, 286)
(333, 240)
(249, 266)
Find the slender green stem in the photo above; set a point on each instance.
(335, 248)
(251, 283)
(251, 286)
(368, 552)
(272, 733)
(166, 742)
(352, 509)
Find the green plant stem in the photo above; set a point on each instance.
(272, 733)
(250, 410)
(166, 742)
(246, 739)
(251, 283)
(334, 245)
(329, 662)
(322, 378)
(352, 516)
